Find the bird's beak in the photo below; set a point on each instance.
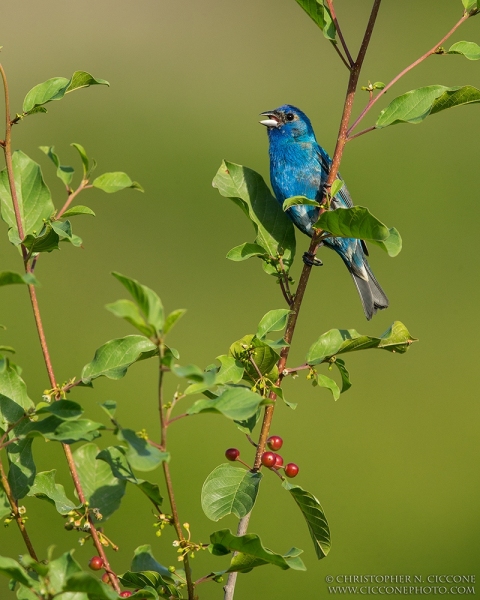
(272, 121)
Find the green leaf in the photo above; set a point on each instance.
(115, 457)
(172, 319)
(85, 161)
(357, 222)
(14, 400)
(5, 508)
(320, 14)
(64, 409)
(78, 210)
(236, 403)
(252, 553)
(248, 190)
(45, 241)
(10, 278)
(22, 469)
(229, 490)
(101, 488)
(274, 320)
(417, 105)
(148, 301)
(45, 488)
(314, 516)
(264, 356)
(12, 569)
(114, 182)
(469, 49)
(338, 341)
(90, 585)
(64, 232)
(113, 358)
(7, 349)
(64, 173)
(143, 560)
(128, 310)
(34, 199)
(298, 201)
(337, 185)
(346, 383)
(244, 251)
(470, 5)
(249, 425)
(55, 429)
(231, 370)
(326, 382)
(140, 454)
(141, 579)
(56, 88)
(60, 569)
(110, 407)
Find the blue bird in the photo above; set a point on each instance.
(299, 166)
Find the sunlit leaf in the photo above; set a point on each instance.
(140, 454)
(251, 552)
(148, 301)
(298, 201)
(319, 13)
(64, 172)
(10, 278)
(113, 358)
(78, 210)
(314, 516)
(34, 199)
(57, 87)
(274, 320)
(236, 403)
(245, 251)
(228, 490)
(416, 105)
(45, 488)
(172, 319)
(248, 190)
(114, 182)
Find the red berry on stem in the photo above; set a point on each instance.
(278, 461)
(232, 453)
(291, 470)
(275, 442)
(125, 594)
(106, 579)
(96, 563)
(268, 459)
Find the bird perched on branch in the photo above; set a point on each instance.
(300, 167)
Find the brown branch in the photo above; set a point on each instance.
(182, 416)
(367, 130)
(168, 478)
(229, 589)
(337, 50)
(406, 70)
(16, 513)
(295, 369)
(340, 34)
(83, 186)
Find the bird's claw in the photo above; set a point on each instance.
(310, 260)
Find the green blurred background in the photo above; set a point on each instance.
(393, 460)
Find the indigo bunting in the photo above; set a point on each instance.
(299, 166)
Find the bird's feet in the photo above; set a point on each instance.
(310, 260)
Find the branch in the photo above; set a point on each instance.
(83, 186)
(166, 471)
(229, 589)
(340, 35)
(402, 73)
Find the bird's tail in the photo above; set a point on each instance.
(371, 294)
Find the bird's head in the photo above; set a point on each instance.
(288, 123)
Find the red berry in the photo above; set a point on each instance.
(291, 470)
(125, 594)
(232, 453)
(106, 579)
(96, 563)
(278, 461)
(275, 442)
(268, 459)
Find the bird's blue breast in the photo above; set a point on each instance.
(295, 170)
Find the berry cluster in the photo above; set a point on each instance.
(271, 460)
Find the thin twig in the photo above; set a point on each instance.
(250, 440)
(182, 416)
(337, 50)
(339, 31)
(204, 579)
(168, 478)
(367, 130)
(83, 186)
(255, 366)
(406, 70)
(295, 369)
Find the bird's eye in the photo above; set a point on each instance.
(290, 116)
